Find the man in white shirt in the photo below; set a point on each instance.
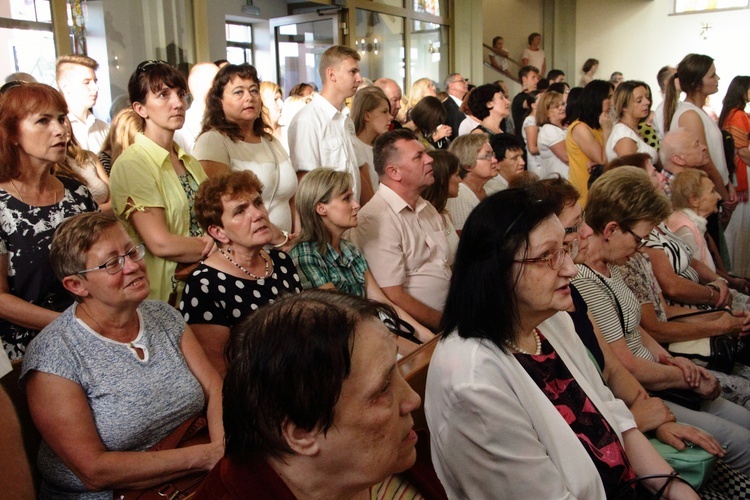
(321, 135)
(76, 79)
(401, 234)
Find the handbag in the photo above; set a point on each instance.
(641, 492)
(192, 432)
(181, 273)
(694, 464)
(715, 353)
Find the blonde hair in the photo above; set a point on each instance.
(125, 126)
(334, 55)
(416, 93)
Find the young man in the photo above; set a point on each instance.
(76, 79)
(508, 150)
(321, 135)
(529, 76)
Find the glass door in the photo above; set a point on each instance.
(299, 41)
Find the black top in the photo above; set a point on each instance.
(584, 328)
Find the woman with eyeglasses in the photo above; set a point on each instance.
(33, 202)
(153, 183)
(513, 402)
(477, 165)
(623, 207)
(115, 373)
(550, 113)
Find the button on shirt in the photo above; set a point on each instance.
(405, 246)
(91, 133)
(322, 136)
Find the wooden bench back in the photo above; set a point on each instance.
(414, 367)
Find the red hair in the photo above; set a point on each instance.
(17, 103)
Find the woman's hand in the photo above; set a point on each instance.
(605, 122)
(209, 454)
(441, 132)
(651, 413)
(690, 371)
(725, 296)
(677, 435)
(709, 388)
(209, 246)
(735, 324)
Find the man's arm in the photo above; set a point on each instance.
(423, 313)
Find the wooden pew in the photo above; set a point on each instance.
(413, 367)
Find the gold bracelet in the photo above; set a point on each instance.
(711, 298)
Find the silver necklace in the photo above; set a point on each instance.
(515, 347)
(265, 275)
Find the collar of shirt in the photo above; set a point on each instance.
(90, 119)
(158, 154)
(397, 203)
(326, 106)
(344, 258)
(456, 100)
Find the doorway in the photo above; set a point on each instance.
(299, 42)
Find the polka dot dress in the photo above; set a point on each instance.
(214, 297)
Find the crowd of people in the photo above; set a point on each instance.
(582, 258)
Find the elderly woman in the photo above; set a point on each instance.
(236, 136)
(327, 210)
(371, 114)
(630, 105)
(153, 183)
(241, 276)
(490, 106)
(477, 165)
(317, 408)
(95, 377)
(588, 133)
(623, 207)
(500, 418)
(33, 202)
(445, 170)
(429, 118)
(550, 112)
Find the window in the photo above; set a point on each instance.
(239, 43)
(26, 31)
(690, 6)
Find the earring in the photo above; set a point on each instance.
(607, 240)
(229, 249)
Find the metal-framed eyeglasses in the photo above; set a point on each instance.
(556, 259)
(638, 239)
(115, 264)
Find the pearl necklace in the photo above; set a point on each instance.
(265, 275)
(515, 347)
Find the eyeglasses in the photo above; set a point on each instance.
(555, 259)
(145, 65)
(460, 80)
(638, 240)
(488, 157)
(115, 264)
(573, 229)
